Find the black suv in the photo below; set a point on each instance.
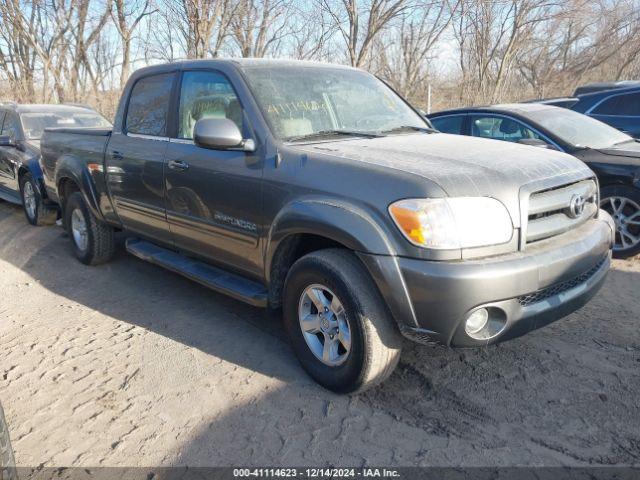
(21, 127)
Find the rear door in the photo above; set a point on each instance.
(454, 124)
(10, 156)
(135, 158)
(620, 111)
(214, 197)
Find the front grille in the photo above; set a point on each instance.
(558, 288)
(550, 210)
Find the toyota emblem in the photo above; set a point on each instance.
(576, 206)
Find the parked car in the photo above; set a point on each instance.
(614, 103)
(316, 188)
(21, 127)
(611, 154)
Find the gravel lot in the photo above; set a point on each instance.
(129, 365)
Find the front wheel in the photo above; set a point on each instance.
(36, 211)
(623, 204)
(338, 324)
(93, 241)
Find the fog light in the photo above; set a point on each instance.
(477, 321)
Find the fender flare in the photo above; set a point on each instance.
(33, 167)
(75, 169)
(339, 221)
(357, 230)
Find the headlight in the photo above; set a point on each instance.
(448, 223)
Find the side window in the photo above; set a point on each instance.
(449, 124)
(629, 105)
(10, 127)
(206, 94)
(501, 128)
(149, 105)
(620, 105)
(611, 106)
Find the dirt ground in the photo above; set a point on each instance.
(129, 365)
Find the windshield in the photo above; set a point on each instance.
(577, 129)
(34, 123)
(303, 101)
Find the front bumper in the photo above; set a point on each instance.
(523, 290)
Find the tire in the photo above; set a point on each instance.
(623, 204)
(375, 342)
(7, 461)
(93, 241)
(35, 210)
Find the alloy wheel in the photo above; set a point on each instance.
(29, 199)
(626, 215)
(324, 325)
(79, 230)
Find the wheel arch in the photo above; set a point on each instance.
(611, 175)
(310, 225)
(72, 174)
(33, 167)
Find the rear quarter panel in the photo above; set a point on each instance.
(77, 154)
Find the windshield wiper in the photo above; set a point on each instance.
(329, 133)
(410, 127)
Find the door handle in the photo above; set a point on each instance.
(117, 155)
(179, 165)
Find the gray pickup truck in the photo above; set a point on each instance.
(317, 189)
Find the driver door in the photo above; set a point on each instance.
(213, 197)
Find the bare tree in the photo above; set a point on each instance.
(17, 51)
(360, 24)
(258, 26)
(405, 62)
(127, 16)
(310, 32)
(84, 50)
(586, 41)
(202, 25)
(85, 31)
(490, 35)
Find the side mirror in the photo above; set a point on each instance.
(220, 134)
(7, 141)
(534, 142)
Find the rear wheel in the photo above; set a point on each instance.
(338, 323)
(36, 211)
(623, 204)
(93, 241)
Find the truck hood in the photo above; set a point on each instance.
(460, 165)
(464, 166)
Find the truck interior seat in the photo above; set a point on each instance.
(234, 112)
(292, 127)
(213, 106)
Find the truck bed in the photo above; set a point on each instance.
(73, 147)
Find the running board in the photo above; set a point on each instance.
(212, 277)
